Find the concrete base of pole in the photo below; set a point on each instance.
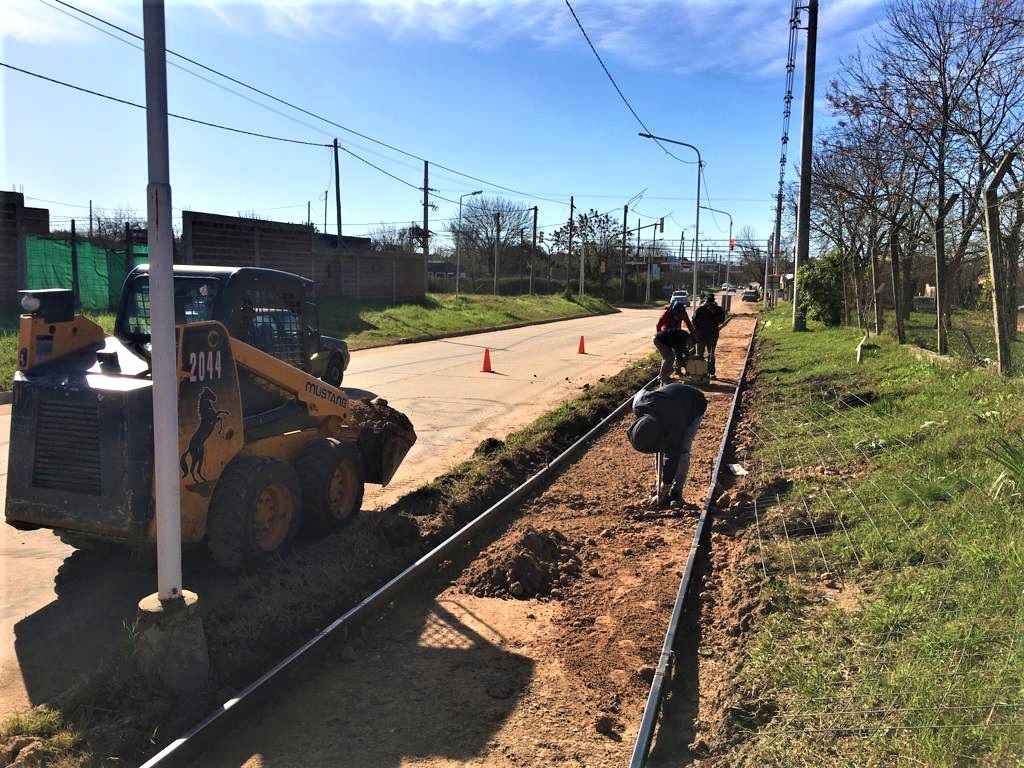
(170, 644)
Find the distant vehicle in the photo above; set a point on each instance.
(685, 296)
(749, 295)
(728, 287)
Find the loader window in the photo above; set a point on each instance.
(194, 299)
(272, 322)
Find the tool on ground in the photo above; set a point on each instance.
(268, 441)
(487, 361)
(582, 349)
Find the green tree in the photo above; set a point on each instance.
(821, 289)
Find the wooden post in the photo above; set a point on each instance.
(995, 263)
(74, 266)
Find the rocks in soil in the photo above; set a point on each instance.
(535, 563)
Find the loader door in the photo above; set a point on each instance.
(210, 430)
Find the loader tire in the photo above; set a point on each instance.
(331, 473)
(334, 372)
(255, 512)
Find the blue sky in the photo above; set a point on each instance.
(504, 90)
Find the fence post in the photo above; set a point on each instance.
(74, 266)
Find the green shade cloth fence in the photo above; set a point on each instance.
(101, 271)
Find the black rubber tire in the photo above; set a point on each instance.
(333, 373)
(231, 534)
(316, 466)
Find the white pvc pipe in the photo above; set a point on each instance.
(161, 294)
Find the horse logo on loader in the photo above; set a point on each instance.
(209, 417)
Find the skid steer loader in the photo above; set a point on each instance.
(266, 446)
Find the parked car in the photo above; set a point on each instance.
(728, 287)
(684, 295)
(749, 295)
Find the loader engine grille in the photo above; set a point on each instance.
(67, 456)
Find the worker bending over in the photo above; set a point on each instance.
(667, 421)
(707, 320)
(671, 340)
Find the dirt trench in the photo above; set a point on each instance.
(480, 675)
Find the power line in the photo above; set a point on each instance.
(306, 111)
(616, 86)
(169, 114)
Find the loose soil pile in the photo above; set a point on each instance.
(536, 563)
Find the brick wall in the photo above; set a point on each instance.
(349, 272)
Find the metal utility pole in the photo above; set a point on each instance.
(622, 261)
(1001, 310)
(533, 248)
(767, 270)
(90, 221)
(458, 240)
(497, 239)
(309, 212)
(568, 257)
(161, 290)
(74, 266)
(337, 190)
(803, 213)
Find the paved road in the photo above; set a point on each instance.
(438, 384)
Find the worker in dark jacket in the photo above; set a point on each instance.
(707, 321)
(671, 340)
(667, 422)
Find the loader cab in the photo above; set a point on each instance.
(273, 311)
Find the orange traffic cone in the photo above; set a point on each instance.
(582, 350)
(487, 362)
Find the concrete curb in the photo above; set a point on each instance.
(471, 331)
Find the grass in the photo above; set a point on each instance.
(892, 589)
(9, 344)
(362, 324)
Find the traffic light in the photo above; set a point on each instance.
(661, 224)
(732, 243)
(540, 237)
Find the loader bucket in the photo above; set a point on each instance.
(384, 440)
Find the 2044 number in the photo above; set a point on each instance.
(204, 366)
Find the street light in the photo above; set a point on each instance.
(458, 238)
(728, 257)
(696, 233)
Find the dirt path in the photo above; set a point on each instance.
(468, 679)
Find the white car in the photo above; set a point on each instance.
(728, 287)
(679, 295)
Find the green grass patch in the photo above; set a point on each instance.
(363, 324)
(893, 604)
(9, 344)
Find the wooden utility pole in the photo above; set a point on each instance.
(622, 261)
(426, 221)
(568, 257)
(90, 221)
(1000, 291)
(74, 265)
(803, 223)
(337, 190)
(497, 239)
(533, 248)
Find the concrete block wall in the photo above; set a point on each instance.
(346, 272)
(12, 249)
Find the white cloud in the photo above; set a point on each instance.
(684, 36)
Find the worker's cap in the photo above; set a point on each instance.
(645, 435)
